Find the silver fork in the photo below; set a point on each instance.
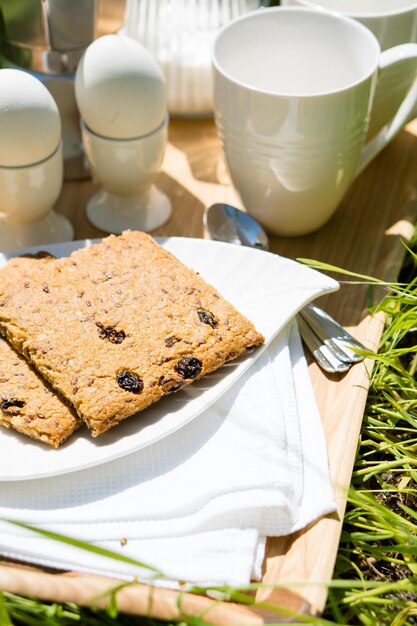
(324, 356)
(331, 345)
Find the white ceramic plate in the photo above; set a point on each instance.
(267, 288)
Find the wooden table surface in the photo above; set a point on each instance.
(364, 236)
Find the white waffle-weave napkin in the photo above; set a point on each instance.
(198, 504)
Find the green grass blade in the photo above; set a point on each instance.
(4, 614)
(83, 545)
(319, 265)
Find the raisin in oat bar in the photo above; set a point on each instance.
(116, 326)
(27, 404)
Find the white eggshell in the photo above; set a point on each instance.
(30, 126)
(120, 88)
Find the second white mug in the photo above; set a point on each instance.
(293, 90)
(393, 22)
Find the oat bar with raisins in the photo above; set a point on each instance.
(116, 326)
(27, 403)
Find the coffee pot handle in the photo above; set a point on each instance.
(394, 102)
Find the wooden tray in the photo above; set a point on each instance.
(364, 236)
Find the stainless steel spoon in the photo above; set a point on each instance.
(228, 223)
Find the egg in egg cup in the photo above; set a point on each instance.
(31, 164)
(121, 96)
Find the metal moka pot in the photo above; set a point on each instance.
(48, 38)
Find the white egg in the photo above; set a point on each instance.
(120, 88)
(30, 126)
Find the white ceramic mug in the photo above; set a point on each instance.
(293, 92)
(393, 22)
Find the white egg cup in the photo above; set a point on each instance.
(27, 195)
(127, 169)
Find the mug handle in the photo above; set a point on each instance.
(394, 77)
